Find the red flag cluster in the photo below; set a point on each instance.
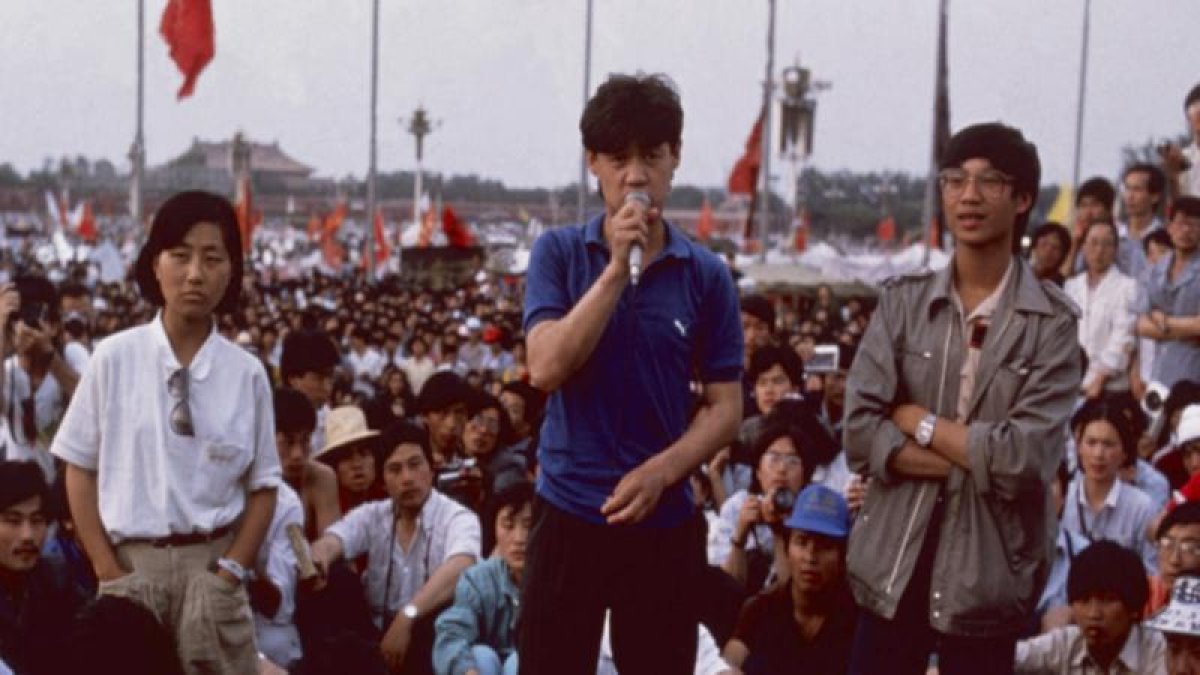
(382, 250)
(187, 28)
(248, 217)
(331, 251)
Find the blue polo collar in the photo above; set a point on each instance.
(675, 243)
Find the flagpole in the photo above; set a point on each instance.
(1083, 67)
(371, 165)
(137, 154)
(941, 98)
(764, 211)
(587, 89)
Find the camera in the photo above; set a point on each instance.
(782, 500)
(823, 360)
(453, 476)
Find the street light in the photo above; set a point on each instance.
(419, 126)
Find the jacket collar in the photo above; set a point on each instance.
(1024, 290)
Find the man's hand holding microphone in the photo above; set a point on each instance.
(631, 232)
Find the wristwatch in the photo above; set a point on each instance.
(924, 434)
(234, 568)
(410, 612)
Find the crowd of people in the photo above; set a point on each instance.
(605, 467)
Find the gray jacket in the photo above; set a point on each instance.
(998, 524)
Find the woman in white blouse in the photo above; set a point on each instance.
(1106, 297)
(170, 447)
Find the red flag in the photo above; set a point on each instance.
(333, 221)
(704, 226)
(457, 234)
(744, 178)
(87, 224)
(247, 217)
(382, 251)
(331, 251)
(187, 28)
(885, 231)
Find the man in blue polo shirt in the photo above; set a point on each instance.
(618, 351)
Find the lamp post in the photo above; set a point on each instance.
(419, 126)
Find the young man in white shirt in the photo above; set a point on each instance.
(418, 542)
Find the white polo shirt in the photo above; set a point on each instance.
(152, 481)
(446, 528)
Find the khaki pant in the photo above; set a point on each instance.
(209, 617)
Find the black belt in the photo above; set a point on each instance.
(183, 539)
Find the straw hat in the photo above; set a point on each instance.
(344, 426)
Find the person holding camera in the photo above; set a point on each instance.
(750, 548)
(38, 379)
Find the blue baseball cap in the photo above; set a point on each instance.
(821, 511)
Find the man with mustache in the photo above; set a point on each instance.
(36, 600)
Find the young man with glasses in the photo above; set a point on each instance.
(1169, 305)
(956, 407)
(1178, 544)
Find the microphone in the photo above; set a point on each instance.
(635, 252)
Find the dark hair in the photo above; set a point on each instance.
(1008, 151)
(1108, 567)
(534, 399)
(20, 481)
(1187, 205)
(442, 390)
(293, 412)
(1098, 188)
(307, 351)
(1187, 513)
(1053, 228)
(515, 495)
(1101, 410)
(799, 414)
(1193, 96)
(771, 431)
(1159, 236)
(1158, 181)
(770, 356)
(173, 220)
(642, 110)
(400, 433)
(115, 634)
(759, 307)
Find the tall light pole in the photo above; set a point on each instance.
(1083, 68)
(137, 152)
(764, 211)
(371, 161)
(420, 127)
(587, 90)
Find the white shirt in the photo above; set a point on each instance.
(1106, 327)
(418, 370)
(152, 481)
(48, 401)
(368, 365)
(445, 529)
(277, 636)
(1189, 181)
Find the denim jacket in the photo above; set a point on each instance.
(998, 525)
(484, 612)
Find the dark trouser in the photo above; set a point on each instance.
(903, 644)
(575, 569)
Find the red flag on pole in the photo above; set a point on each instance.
(744, 177)
(802, 225)
(704, 226)
(382, 251)
(87, 224)
(187, 28)
(457, 234)
(247, 217)
(314, 228)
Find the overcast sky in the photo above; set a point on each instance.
(505, 78)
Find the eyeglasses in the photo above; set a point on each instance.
(181, 415)
(990, 184)
(1186, 547)
(486, 423)
(776, 459)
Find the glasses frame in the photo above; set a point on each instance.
(990, 184)
(180, 417)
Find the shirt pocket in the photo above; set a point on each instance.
(917, 375)
(218, 472)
